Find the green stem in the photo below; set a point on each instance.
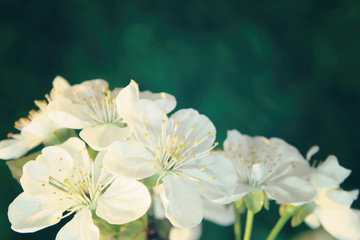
(237, 225)
(289, 212)
(249, 223)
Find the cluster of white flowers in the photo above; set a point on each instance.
(133, 155)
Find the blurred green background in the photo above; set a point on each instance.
(274, 68)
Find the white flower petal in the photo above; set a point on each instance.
(144, 118)
(183, 205)
(124, 201)
(33, 178)
(217, 178)
(68, 114)
(58, 161)
(240, 191)
(312, 221)
(32, 213)
(202, 127)
(158, 208)
(60, 85)
(129, 159)
(343, 224)
(40, 125)
(127, 95)
(290, 190)
(85, 88)
(81, 227)
(220, 214)
(19, 146)
(335, 198)
(185, 233)
(330, 168)
(313, 150)
(164, 100)
(100, 137)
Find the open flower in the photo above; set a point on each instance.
(268, 165)
(91, 106)
(332, 205)
(36, 128)
(177, 150)
(64, 180)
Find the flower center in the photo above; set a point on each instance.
(174, 150)
(99, 103)
(82, 187)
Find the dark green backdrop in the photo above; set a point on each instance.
(275, 68)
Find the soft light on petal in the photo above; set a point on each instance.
(331, 169)
(216, 177)
(343, 224)
(17, 147)
(185, 233)
(183, 205)
(129, 159)
(165, 101)
(32, 213)
(124, 201)
(81, 227)
(220, 214)
(69, 115)
(312, 221)
(100, 137)
(335, 198)
(58, 161)
(290, 190)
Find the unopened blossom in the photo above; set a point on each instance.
(268, 165)
(37, 128)
(64, 180)
(332, 205)
(91, 106)
(177, 150)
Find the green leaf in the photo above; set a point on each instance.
(16, 166)
(303, 212)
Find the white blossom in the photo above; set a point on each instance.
(177, 150)
(268, 165)
(37, 128)
(64, 180)
(91, 106)
(332, 205)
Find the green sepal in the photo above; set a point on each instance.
(162, 227)
(92, 153)
(239, 203)
(266, 202)
(136, 230)
(151, 181)
(59, 136)
(16, 166)
(289, 210)
(282, 210)
(300, 216)
(255, 200)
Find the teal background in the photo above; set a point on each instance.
(274, 68)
